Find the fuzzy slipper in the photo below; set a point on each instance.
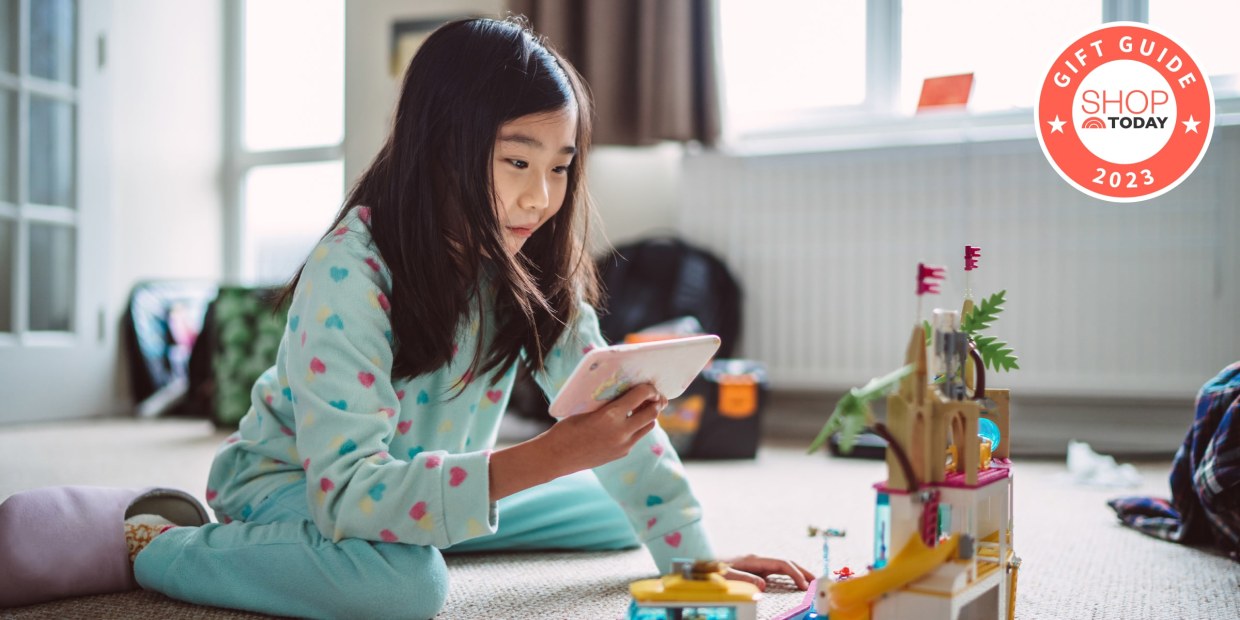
(58, 542)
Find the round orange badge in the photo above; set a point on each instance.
(1125, 114)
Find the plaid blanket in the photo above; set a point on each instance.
(1205, 477)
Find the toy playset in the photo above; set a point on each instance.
(943, 518)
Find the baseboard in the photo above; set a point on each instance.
(1041, 426)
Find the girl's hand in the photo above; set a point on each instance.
(755, 569)
(588, 440)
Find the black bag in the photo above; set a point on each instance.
(647, 283)
(664, 278)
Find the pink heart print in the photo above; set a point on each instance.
(388, 536)
(456, 476)
(672, 539)
(326, 484)
(651, 522)
(366, 379)
(495, 395)
(657, 449)
(418, 511)
(317, 366)
(403, 427)
(432, 462)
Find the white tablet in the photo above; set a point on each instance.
(606, 373)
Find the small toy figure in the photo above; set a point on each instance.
(827, 534)
(843, 574)
(694, 590)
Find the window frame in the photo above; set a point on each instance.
(878, 123)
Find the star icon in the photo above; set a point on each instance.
(1190, 124)
(1056, 125)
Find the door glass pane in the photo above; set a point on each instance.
(1206, 28)
(52, 269)
(294, 73)
(51, 152)
(287, 210)
(8, 145)
(53, 44)
(7, 242)
(8, 36)
(943, 37)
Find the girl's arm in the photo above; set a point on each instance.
(649, 481)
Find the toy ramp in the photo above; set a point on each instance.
(850, 600)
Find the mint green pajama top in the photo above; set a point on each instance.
(401, 460)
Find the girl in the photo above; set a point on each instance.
(367, 453)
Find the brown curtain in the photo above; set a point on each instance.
(650, 64)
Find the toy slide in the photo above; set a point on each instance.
(850, 600)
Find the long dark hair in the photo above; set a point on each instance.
(431, 198)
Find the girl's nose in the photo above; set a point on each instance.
(536, 195)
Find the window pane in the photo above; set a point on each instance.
(8, 36)
(8, 145)
(8, 241)
(294, 73)
(1007, 46)
(53, 39)
(790, 55)
(51, 152)
(287, 210)
(52, 270)
(1207, 29)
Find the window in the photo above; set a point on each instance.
(1008, 46)
(848, 68)
(1207, 28)
(779, 67)
(285, 133)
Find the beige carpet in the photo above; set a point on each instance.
(1078, 561)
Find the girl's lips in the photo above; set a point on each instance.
(521, 232)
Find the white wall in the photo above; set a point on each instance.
(636, 189)
(166, 61)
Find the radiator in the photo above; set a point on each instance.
(1109, 300)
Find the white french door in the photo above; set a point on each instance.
(57, 346)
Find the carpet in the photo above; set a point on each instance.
(1078, 561)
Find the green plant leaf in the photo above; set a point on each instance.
(984, 314)
(996, 354)
(852, 412)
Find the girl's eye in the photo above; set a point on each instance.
(560, 169)
(519, 164)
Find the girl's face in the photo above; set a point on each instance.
(530, 171)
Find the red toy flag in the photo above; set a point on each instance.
(928, 277)
(971, 254)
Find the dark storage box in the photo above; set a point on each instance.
(719, 416)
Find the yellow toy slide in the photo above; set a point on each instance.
(850, 600)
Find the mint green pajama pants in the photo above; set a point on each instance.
(278, 563)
